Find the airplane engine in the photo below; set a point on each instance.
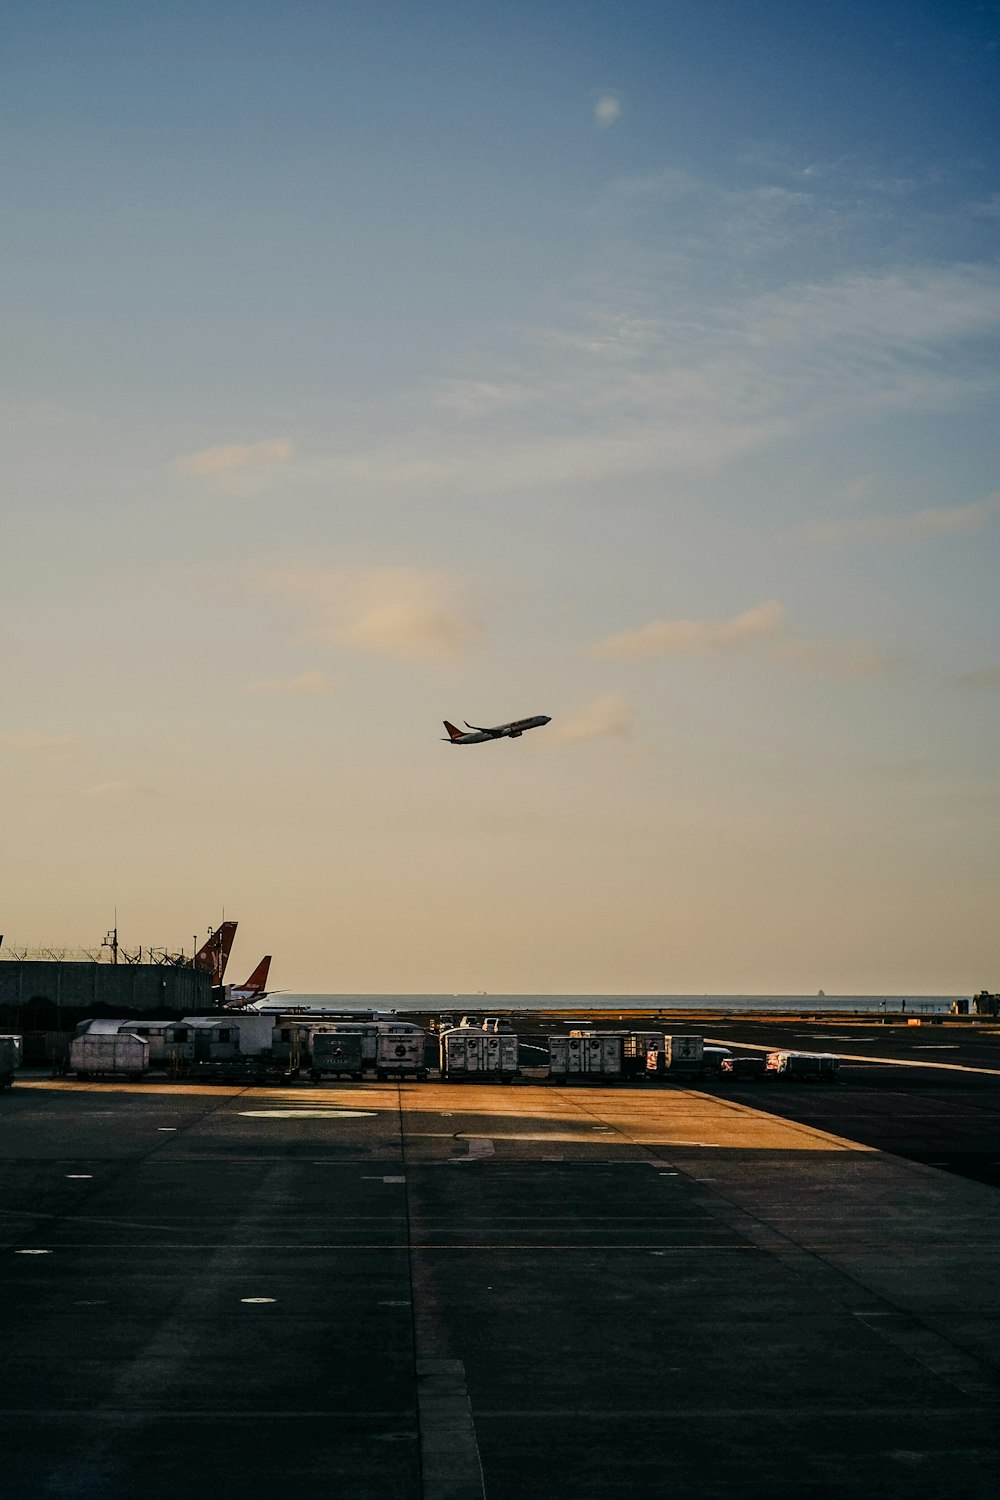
(515, 734)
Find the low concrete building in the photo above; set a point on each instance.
(50, 991)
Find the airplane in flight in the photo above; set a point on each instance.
(477, 736)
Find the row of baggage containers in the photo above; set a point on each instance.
(259, 1048)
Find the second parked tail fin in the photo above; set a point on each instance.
(258, 979)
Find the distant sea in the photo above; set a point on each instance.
(915, 1005)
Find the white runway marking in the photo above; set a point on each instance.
(306, 1114)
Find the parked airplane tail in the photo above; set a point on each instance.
(258, 979)
(214, 954)
(453, 733)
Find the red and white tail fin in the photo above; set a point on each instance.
(453, 733)
(214, 954)
(258, 979)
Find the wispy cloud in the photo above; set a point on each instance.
(303, 684)
(606, 717)
(833, 658)
(694, 637)
(396, 612)
(607, 110)
(41, 747)
(644, 386)
(236, 458)
(764, 626)
(934, 521)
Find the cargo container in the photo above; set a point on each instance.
(471, 1052)
(400, 1052)
(10, 1059)
(336, 1052)
(155, 1033)
(643, 1054)
(713, 1058)
(683, 1056)
(255, 1031)
(597, 1056)
(215, 1040)
(642, 1051)
(807, 1065)
(121, 1054)
(746, 1069)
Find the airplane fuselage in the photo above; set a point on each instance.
(511, 731)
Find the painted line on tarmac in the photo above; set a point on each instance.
(352, 1246)
(895, 1062)
(450, 1466)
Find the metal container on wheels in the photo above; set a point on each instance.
(336, 1053)
(473, 1052)
(399, 1054)
(597, 1056)
(683, 1057)
(813, 1067)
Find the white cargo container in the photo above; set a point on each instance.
(471, 1052)
(683, 1054)
(155, 1033)
(122, 1054)
(598, 1055)
(255, 1031)
(811, 1065)
(398, 1052)
(10, 1059)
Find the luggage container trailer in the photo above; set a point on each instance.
(597, 1056)
(643, 1054)
(683, 1057)
(10, 1059)
(120, 1056)
(470, 1052)
(400, 1053)
(337, 1053)
(809, 1066)
(746, 1069)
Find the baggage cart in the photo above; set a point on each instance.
(597, 1056)
(683, 1057)
(812, 1067)
(122, 1055)
(400, 1053)
(743, 1069)
(472, 1052)
(337, 1053)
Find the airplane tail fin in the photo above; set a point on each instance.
(214, 955)
(453, 733)
(258, 979)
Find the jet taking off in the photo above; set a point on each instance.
(511, 731)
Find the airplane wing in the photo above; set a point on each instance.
(496, 733)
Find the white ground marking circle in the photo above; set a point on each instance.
(305, 1114)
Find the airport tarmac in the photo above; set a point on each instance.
(458, 1291)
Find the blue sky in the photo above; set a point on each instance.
(364, 365)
